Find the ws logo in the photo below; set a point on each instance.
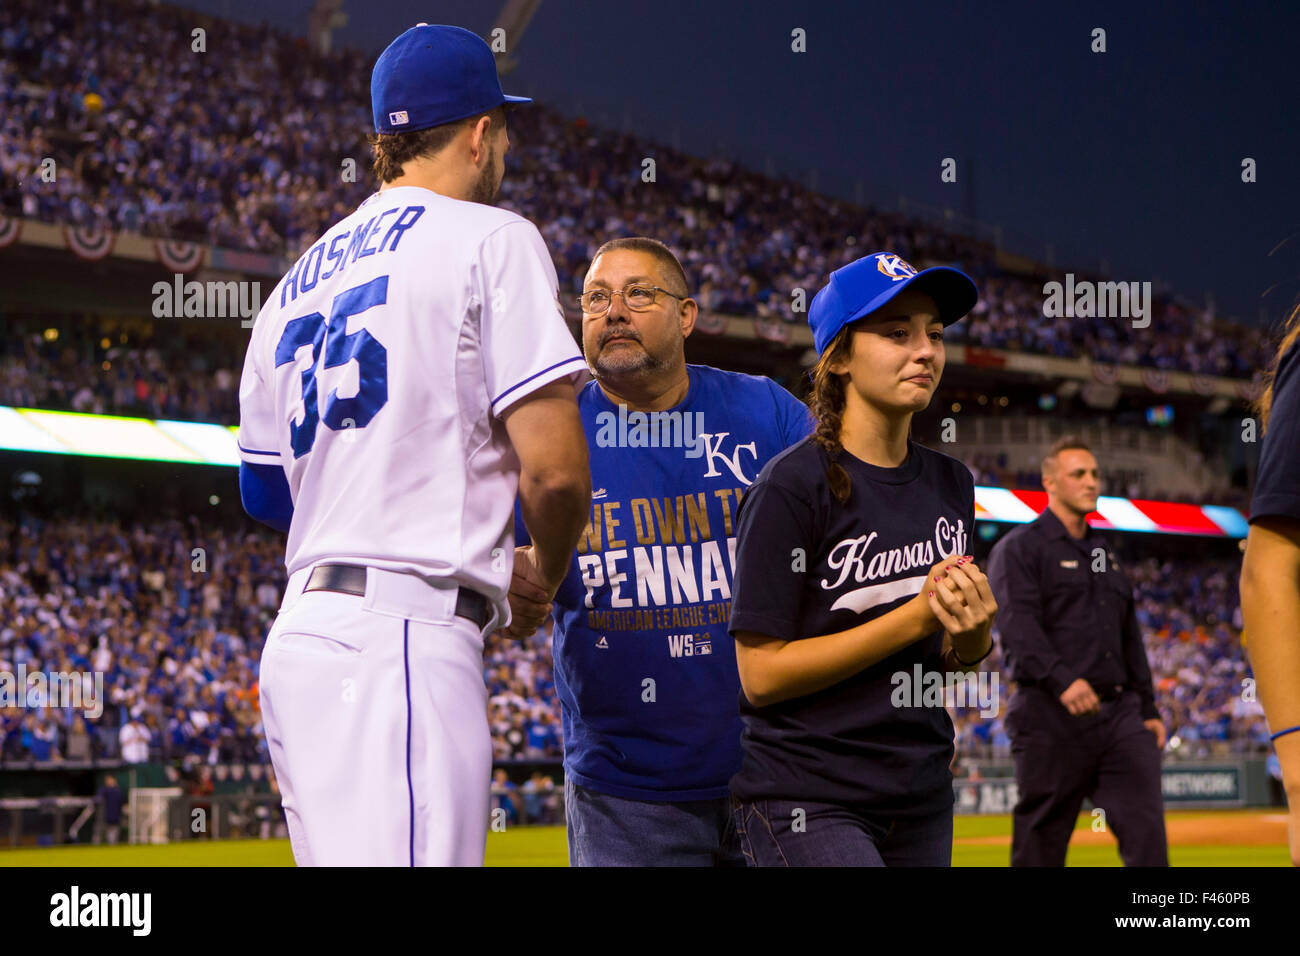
(685, 645)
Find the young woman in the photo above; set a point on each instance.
(1270, 594)
(854, 584)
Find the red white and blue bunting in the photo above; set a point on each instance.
(10, 230)
(1156, 380)
(710, 323)
(91, 243)
(177, 256)
(1105, 373)
(773, 330)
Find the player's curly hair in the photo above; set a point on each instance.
(392, 150)
(827, 403)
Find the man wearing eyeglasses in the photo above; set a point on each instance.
(644, 666)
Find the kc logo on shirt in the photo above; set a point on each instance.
(712, 446)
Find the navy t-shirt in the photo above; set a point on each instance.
(1277, 484)
(807, 565)
(644, 666)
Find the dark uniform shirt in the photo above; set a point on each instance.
(1065, 611)
(1277, 483)
(113, 800)
(807, 565)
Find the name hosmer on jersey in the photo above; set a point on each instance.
(306, 272)
(662, 561)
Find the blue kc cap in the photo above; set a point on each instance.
(866, 284)
(431, 75)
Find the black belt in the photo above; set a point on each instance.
(351, 579)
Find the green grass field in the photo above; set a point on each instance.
(545, 846)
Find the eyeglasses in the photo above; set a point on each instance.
(637, 297)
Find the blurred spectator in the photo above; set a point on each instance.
(503, 797)
(541, 800)
(135, 742)
(77, 745)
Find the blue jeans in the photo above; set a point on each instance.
(605, 830)
(803, 833)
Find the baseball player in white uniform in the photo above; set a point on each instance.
(409, 375)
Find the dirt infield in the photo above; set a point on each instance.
(1205, 828)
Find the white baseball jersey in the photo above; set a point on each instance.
(376, 375)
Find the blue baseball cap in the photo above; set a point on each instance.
(866, 284)
(431, 75)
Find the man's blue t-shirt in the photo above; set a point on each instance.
(645, 668)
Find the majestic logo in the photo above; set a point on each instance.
(894, 267)
(713, 453)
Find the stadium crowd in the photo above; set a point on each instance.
(175, 143)
(76, 366)
(173, 615)
(170, 615)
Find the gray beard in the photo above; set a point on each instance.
(645, 364)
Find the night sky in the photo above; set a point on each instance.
(1129, 158)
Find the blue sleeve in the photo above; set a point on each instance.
(522, 538)
(264, 490)
(794, 419)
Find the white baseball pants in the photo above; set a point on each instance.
(375, 711)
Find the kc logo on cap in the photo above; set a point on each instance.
(894, 267)
(866, 284)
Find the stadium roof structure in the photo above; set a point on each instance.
(112, 436)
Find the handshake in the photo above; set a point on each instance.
(530, 595)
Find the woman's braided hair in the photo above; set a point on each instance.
(827, 404)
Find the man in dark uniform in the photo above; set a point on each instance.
(1083, 720)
